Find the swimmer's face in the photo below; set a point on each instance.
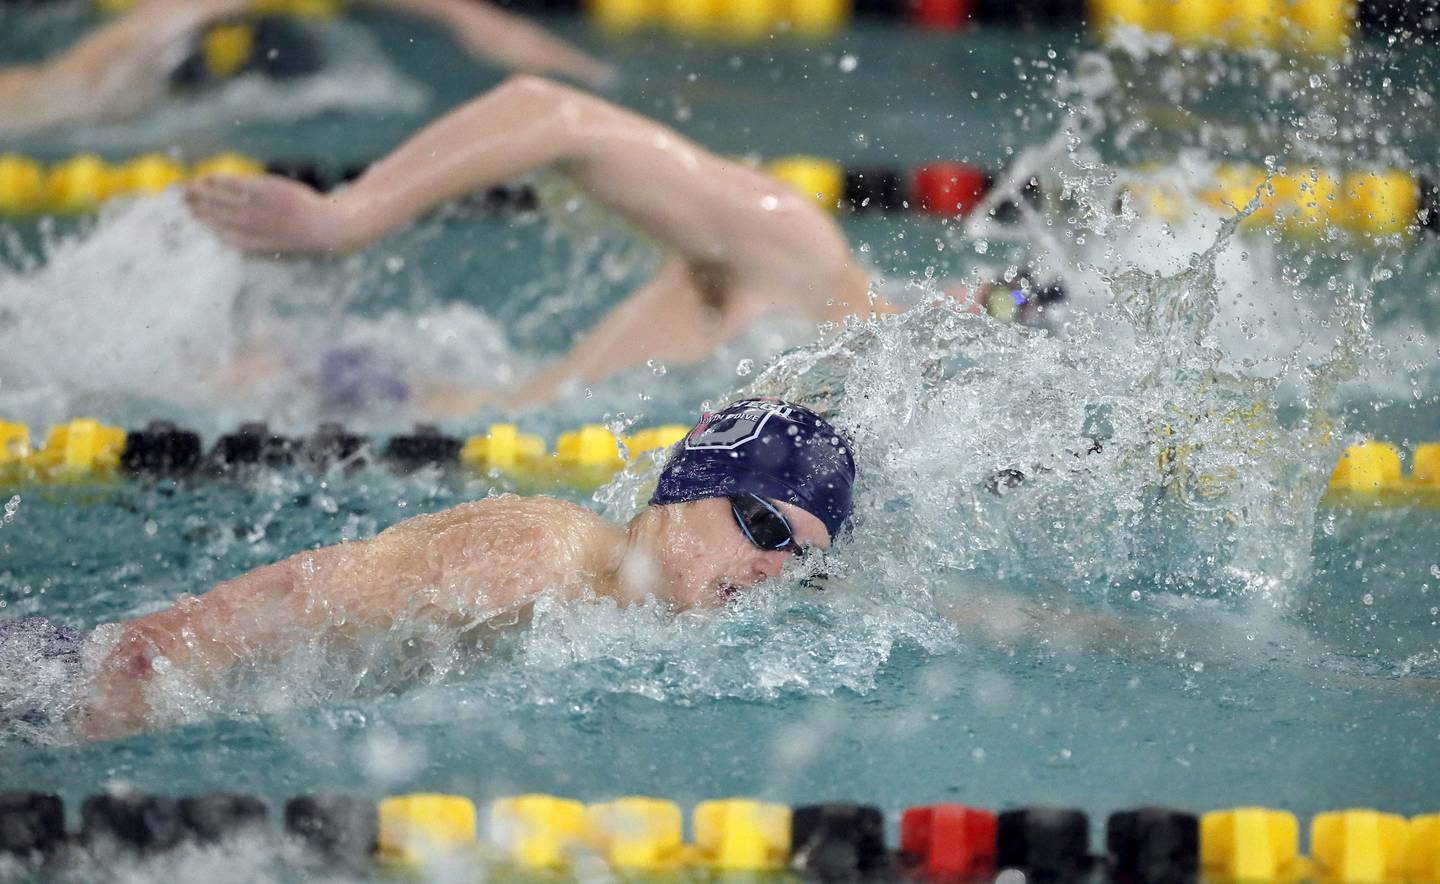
(705, 559)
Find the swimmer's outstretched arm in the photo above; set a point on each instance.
(450, 570)
(115, 72)
(743, 230)
(641, 170)
(524, 124)
(508, 40)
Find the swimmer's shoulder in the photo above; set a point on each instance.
(528, 508)
(523, 543)
(511, 525)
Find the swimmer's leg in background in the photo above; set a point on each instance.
(524, 124)
(115, 72)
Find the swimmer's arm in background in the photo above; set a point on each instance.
(665, 320)
(524, 124)
(509, 40)
(116, 71)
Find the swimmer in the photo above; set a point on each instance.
(750, 488)
(136, 61)
(739, 244)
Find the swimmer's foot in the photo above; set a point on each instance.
(269, 214)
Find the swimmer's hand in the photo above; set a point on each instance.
(271, 215)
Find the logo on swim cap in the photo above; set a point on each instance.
(768, 447)
(735, 426)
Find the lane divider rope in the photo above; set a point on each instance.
(1367, 203)
(543, 834)
(1321, 27)
(85, 449)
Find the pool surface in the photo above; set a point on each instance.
(1177, 618)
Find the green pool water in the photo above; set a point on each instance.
(1310, 685)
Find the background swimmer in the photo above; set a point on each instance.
(751, 486)
(133, 63)
(741, 245)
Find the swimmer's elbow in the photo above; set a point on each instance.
(136, 663)
(533, 84)
(542, 93)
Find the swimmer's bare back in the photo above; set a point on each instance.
(748, 239)
(455, 569)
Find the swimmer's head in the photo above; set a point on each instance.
(1023, 300)
(751, 486)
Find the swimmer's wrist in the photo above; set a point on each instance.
(345, 226)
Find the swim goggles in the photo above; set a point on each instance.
(762, 523)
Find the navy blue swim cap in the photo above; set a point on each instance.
(766, 447)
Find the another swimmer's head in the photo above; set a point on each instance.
(1023, 299)
(751, 486)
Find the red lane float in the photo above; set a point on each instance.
(950, 189)
(949, 840)
(942, 15)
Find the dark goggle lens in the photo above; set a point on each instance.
(761, 523)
